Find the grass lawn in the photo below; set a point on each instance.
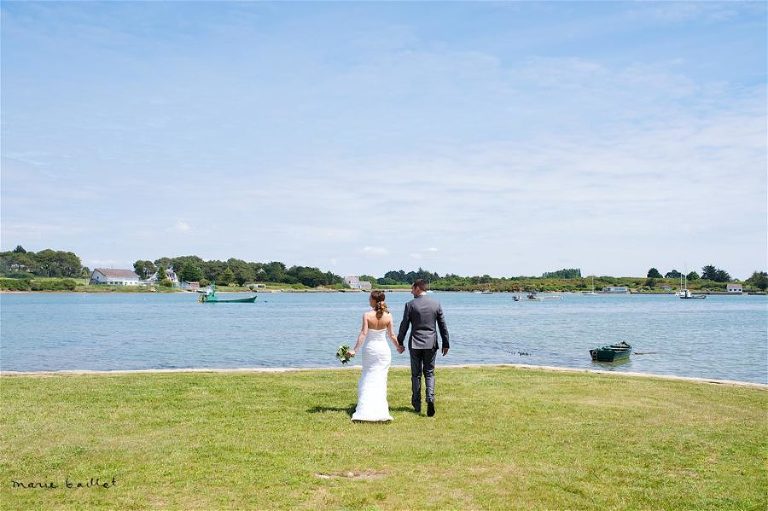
(503, 438)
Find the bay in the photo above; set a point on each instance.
(722, 337)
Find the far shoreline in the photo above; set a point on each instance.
(249, 370)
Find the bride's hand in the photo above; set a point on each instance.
(351, 353)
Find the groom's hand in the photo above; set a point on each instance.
(400, 349)
(445, 351)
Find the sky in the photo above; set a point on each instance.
(473, 138)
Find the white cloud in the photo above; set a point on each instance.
(182, 226)
(375, 251)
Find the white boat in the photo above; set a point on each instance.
(591, 293)
(685, 293)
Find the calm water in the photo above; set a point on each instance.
(721, 337)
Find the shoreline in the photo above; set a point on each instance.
(247, 370)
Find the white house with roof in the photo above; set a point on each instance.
(354, 282)
(616, 289)
(169, 274)
(113, 277)
(735, 289)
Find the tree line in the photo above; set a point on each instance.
(22, 264)
(235, 271)
(708, 272)
(19, 263)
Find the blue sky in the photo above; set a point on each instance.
(463, 137)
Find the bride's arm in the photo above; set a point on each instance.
(361, 337)
(393, 337)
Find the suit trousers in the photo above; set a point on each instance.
(422, 361)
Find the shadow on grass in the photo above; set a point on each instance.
(408, 409)
(350, 410)
(323, 409)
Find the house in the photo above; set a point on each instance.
(354, 282)
(616, 289)
(734, 288)
(169, 274)
(109, 276)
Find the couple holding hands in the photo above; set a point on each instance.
(424, 317)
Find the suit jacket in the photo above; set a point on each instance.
(424, 315)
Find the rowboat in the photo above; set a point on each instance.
(209, 296)
(612, 353)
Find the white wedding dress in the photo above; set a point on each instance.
(372, 388)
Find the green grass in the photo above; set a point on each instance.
(503, 438)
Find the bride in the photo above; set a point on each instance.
(372, 388)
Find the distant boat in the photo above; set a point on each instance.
(612, 353)
(209, 296)
(685, 293)
(516, 298)
(591, 293)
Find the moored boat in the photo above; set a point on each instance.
(612, 353)
(209, 296)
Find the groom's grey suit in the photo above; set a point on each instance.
(424, 316)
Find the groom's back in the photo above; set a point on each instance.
(424, 315)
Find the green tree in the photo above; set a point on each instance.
(19, 250)
(190, 272)
(226, 277)
(759, 279)
(653, 273)
(722, 276)
(709, 272)
(274, 272)
(161, 274)
(242, 270)
(566, 273)
(144, 269)
(57, 263)
(674, 274)
(692, 276)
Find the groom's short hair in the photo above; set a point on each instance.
(420, 284)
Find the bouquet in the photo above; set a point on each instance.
(343, 354)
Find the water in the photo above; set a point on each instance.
(722, 337)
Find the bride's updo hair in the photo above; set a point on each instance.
(380, 306)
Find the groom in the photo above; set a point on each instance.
(423, 315)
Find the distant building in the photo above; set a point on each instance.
(354, 282)
(191, 286)
(734, 288)
(111, 277)
(616, 289)
(169, 274)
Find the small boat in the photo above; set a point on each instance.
(612, 353)
(516, 298)
(590, 293)
(685, 293)
(209, 296)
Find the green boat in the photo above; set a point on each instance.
(209, 296)
(612, 353)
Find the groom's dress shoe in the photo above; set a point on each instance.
(430, 409)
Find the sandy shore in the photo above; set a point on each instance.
(761, 386)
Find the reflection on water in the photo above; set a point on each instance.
(720, 337)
